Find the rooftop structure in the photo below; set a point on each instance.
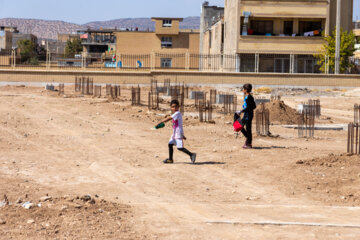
(9, 29)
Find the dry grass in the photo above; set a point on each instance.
(263, 90)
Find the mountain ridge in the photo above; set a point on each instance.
(48, 29)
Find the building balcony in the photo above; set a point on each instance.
(98, 41)
(279, 44)
(288, 9)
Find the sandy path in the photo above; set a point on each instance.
(87, 146)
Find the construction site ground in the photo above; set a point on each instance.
(68, 147)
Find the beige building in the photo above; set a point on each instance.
(6, 39)
(67, 37)
(167, 47)
(273, 35)
(9, 29)
(357, 35)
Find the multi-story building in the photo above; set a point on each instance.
(67, 37)
(211, 27)
(98, 41)
(357, 36)
(274, 35)
(6, 37)
(167, 47)
(9, 29)
(23, 36)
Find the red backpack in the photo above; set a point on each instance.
(238, 126)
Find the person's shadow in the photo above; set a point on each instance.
(203, 163)
(272, 147)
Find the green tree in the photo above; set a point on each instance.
(347, 49)
(28, 52)
(73, 47)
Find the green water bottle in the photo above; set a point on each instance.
(161, 125)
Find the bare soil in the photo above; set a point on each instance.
(280, 113)
(70, 146)
(68, 216)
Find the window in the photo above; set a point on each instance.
(307, 65)
(166, 62)
(166, 42)
(261, 27)
(167, 23)
(247, 62)
(210, 38)
(222, 33)
(282, 65)
(288, 27)
(308, 26)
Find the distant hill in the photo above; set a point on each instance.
(43, 29)
(141, 23)
(47, 29)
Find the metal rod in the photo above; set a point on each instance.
(338, 38)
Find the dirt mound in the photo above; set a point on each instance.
(32, 211)
(65, 217)
(331, 179)
(280, 113)
(333, 160)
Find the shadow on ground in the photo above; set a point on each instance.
(203, 163)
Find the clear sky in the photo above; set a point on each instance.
(83, 11)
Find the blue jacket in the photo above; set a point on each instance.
(248, 107)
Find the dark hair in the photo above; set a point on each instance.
(176, 102)
(248, 87)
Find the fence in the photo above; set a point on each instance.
(97, 91)
(61, 89)
(153, 100)
(205, 111)
(185, 90)
(115, 91)
(213, 96)
(84, 85)
(174, 92)
(353, 139)
(262, 121)
(200, 98)
(153, 85)
(230, 103)
(135, 96)
(356, 113)
(256, 62)
(177, 92)
(317, 105)
(306, 126)
(312, 105)
(275, 97)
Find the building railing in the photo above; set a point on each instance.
(246, 62)
(98, 41)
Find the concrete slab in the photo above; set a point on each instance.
(193, 93)
(324, 127)
(220, 98)
(262, 100)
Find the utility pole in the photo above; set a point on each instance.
(338, 38)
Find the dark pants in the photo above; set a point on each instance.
(171, 151)
(247, 130)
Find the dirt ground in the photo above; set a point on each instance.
(100, 161)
